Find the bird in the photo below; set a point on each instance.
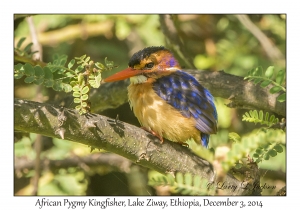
(167, 101)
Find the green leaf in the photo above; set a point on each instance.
(98, 79)
(39, 72)
(84, 97)
(234, 137)
(280, 77)
(48, 83)
(247, 114)
(197, 181)
(82, 57)
(250, 72)
(282, 97)
(48, 73)
(29, 79)
(18, 67)
(97, 82)
(76, 88)
(81, 80)
(179, 178)
(63, 61)
(18, 75)
(257, 80)
(100, 65)
(28, 47)
(109, 64)
(77, 100)
(278, 148)
(20, 42)
(58, 86)
(261, 115)
(265, 83)
(258, 160)
(84, 104)
(55, 56)
(259, 150)
(87, 59)
(258, 71)
(188, 179)
(79, 69)
(272, 118)
(275, 89)
(255, 114)
(92, 83)
(238, 166)
(69, 74)
(266, 156)
(61, 71)
(67, 88)
(272, 153)
(73, 83)
(29, 71)
(78, 107)
(267, 116)
(269, 72)
(39, 81)
(76, 94)
(56, 62)
(85, 90)
(71, 63)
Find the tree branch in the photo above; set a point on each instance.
(118, 137)
(70, 32)
(242, 93)
(97, 159)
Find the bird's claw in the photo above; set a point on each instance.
(154, 134)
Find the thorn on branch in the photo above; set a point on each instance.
(61, 132)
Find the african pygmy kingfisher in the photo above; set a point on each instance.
(167, 101)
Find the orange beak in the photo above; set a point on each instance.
(124, 74)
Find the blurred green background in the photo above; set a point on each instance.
(211, 42)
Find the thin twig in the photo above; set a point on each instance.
(36, 45)
(272, 51)
(170, 31)
(38, 141)
(37, 164)
(24, 59)
(111, 160)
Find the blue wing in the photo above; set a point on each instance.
(183, 92)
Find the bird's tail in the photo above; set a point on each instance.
(204, 139)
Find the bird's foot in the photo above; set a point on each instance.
(154, 134)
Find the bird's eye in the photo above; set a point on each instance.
(149, 65)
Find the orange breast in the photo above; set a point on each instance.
(155, 114)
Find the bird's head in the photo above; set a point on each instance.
(149, 63)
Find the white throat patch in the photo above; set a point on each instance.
(138, 79)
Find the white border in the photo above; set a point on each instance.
(8, 201)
